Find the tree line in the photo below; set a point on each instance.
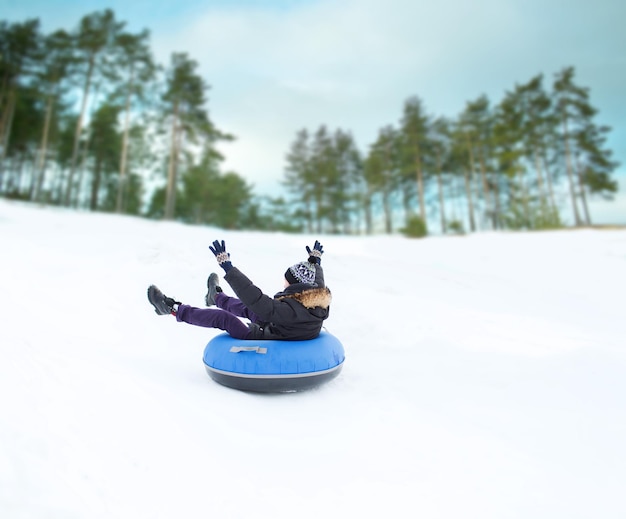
(517, 164)
(88, 119)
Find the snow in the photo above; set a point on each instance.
(485, 377)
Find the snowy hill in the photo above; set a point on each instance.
(485, 377)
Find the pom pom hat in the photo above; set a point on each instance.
(303, 272)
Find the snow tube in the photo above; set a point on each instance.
(273, 366)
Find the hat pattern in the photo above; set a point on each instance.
(303, 272)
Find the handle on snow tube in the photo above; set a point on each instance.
(256, 349)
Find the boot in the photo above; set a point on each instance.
(162, 305)
(213, 289)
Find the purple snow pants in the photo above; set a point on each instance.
(225, 318)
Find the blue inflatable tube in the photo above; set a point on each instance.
(273, 366)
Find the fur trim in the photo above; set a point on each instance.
(312, 298)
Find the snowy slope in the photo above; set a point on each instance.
(485, 377)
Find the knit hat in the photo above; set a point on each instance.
(303, 272)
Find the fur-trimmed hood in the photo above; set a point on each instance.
(319, 297)
(295, 314)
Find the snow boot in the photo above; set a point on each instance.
(162, 305)
(213, 289)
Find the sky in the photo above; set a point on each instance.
(276, 67)
(485, 377)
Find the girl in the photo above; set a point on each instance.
(294, 314)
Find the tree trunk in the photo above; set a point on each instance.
(583, 195)
(442, 208)
(309, 215)
(525, 201)
(7, 124)
(121, 188)
(386, 194)
(171, 174)
(95, 184)
(496, 203)
(570, 174)
(57, 194)
(75, 198)
(9, 94)
(43, 151)
(368, 211)
(420, 183)
(470, 202)
(318, 204)
(387, 212)
(540, 184)
(6, 121)
(485, 186)
(82, 168)
(549, 182)
(472, 168)
(3, 92)
(406, 204)
(16, 180)
(79, 129)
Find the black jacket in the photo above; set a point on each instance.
(296, 314)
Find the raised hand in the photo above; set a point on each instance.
(315, 255)
(223, 257)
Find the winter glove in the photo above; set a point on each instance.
(315, 255)
(223, 257)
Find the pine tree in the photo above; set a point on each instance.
(298, 177)
(414, 134)
(19, 47)
(105, 148)
(594, 164)
(461, 164)
(95, 38)
(55, 66)
(210, 197)
(508, 153)
(345, 194)
(382, 168)
(137, 64)
(28, 118)
(572, 108)
(185, 100)
(476, 126)
(526, 110)
(323, 173)
(440, 141)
